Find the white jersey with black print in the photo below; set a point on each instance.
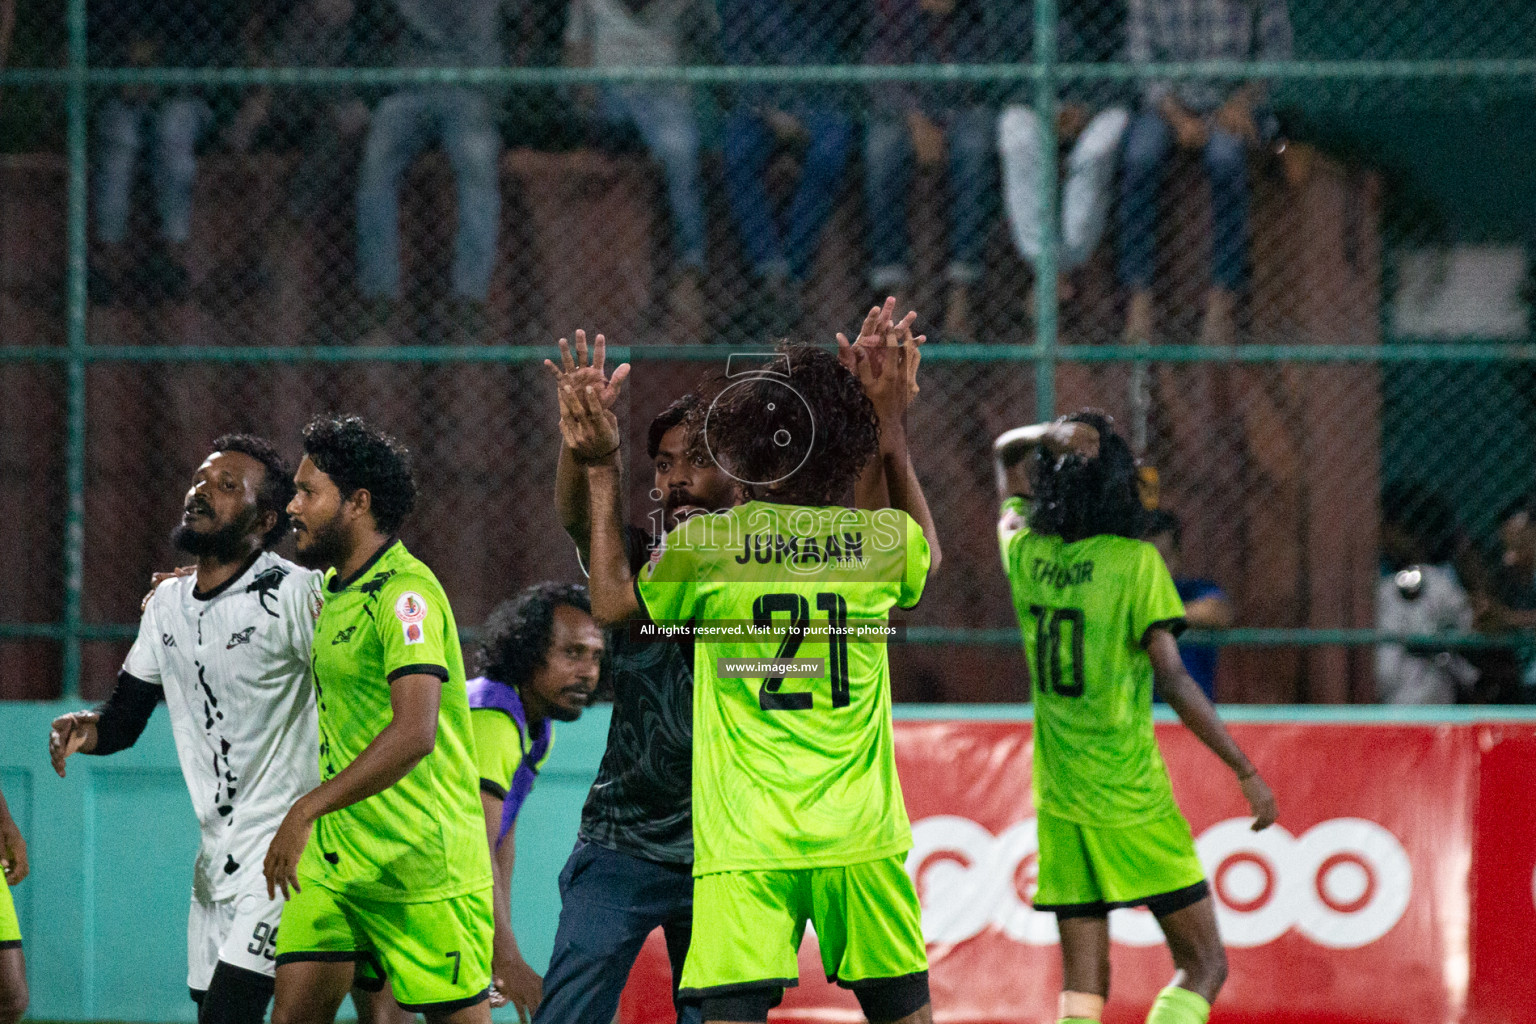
(234, 664)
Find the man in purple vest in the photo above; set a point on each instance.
(540, 659)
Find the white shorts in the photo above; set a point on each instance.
(241, 930)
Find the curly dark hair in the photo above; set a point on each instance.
(357, 457)
(1077, 497)
(276, 483)
(515, 638)
(673, 415)
(837, 416)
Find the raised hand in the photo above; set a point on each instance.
(590, 429)
(884, 378)
(579, 372)
(880, 332)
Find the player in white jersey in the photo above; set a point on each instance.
(228, 650)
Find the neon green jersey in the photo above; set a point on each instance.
(1085, 609)
(424, 837)
(790, 772)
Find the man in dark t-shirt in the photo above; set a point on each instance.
(632, 869)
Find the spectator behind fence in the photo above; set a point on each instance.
(152, 33)
(325, 126)
(657, 33)
(1206, 605)
(906, 121)
(1222, 121)
(1091, 120)
(763, 118)
(1511, 603)
(1420, 593)
(462, 120)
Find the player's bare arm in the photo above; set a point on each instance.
(869, 490)
(512, 980)
(888, 388)
(1199, 716)
(13, 848)
(591, 433)
(410, 736)
(1011, 451)
(574, 373)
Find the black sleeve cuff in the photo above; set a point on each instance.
(496, 790)
(1174, 626)
(419, 670)
(126, 713)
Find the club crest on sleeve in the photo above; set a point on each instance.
(659, 550)
(413, 634)
(410, 608)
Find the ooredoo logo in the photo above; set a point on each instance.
(1343, 884)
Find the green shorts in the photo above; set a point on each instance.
(10, 928)
(1087, 871)
(747, 927)
(437, 955)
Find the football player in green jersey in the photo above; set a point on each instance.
(386, 861)
(1100, 617)
(798, 814)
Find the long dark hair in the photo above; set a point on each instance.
(1077, 497)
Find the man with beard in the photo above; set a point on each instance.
(384, 862)
(540, 659)
(631, 870)
(227, 648)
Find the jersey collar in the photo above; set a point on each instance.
(338, 585)
(216, 591)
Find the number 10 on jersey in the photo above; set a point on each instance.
(1050, 625)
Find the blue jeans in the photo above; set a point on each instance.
(176, 123)
(1148, 144)
(887, 181)
(749, 144)
(403, 125)
(609, 903)
(666, 122)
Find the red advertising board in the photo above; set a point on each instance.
(1397, 886)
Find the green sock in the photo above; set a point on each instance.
(1179, 1006)
(1077, 1020)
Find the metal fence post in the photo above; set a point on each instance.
(1045, 267)
(74, 457)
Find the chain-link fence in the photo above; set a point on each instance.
(1282, 242)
